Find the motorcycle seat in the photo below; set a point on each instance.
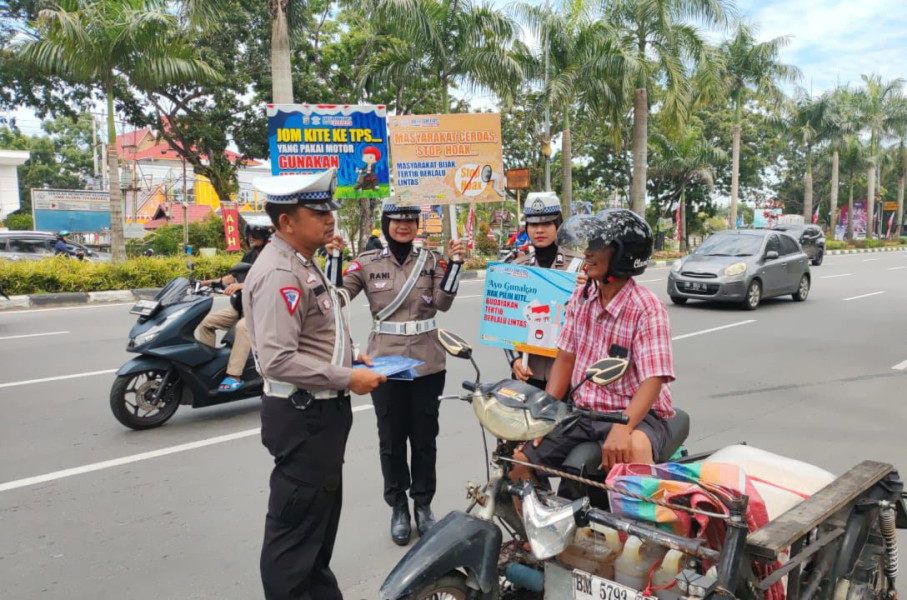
(585, 458)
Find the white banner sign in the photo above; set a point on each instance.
(79, 200)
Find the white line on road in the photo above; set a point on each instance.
(833, 276)
(900, 366)
(705, 331)
(58, 378)
(126, 460)
(871, 259)
(35, 310)
(29, 335)
(863, 296)
(649, 280)
(896, 268)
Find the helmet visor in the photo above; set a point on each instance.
(583, 232)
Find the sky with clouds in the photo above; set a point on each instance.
(835, 41)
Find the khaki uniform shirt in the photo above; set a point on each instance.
(290, 314)
(564, 261)
(381, 277)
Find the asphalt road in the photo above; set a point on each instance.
(178, 512)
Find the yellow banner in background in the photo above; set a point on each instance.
(445, 159)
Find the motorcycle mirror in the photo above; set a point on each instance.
(606, 370)
(454, 344)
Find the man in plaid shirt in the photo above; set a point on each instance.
(611, 316)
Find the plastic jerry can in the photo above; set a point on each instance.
(633, 565)
(671, 565)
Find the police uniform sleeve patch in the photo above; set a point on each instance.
(291, 297)
(353, 266)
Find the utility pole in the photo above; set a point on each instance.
(547, 115)
(94, 146)
(185, 208)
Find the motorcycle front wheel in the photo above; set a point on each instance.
(133, 402)
(450, 587)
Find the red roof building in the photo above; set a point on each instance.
(196, 213)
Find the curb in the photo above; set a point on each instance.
(114, 296)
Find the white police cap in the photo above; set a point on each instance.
(541, 207)
(314, 191)
(392, 210)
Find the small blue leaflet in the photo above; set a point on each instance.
(395, 367)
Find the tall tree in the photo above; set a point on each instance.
(841, 125)
(683, 161)
(663, 40)
(807, 120)
(582, 66)
(881, 111)
(454, 43)
(854, 160)
(753, 71)
(281, 67)
(116, 43)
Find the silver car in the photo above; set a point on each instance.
(741, 266)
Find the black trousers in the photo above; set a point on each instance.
(407, 412)
(306, 497)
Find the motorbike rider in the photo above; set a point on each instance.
(230, 316)
(542, 213)
(611, 316)
(60, 246)
(374, 241)
(301, 340)
(405, 288)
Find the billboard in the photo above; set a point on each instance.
(431, 221)
(445, 159)
(307, 138)
(72, 210)
(523, 307)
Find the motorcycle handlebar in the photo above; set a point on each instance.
(470, 386)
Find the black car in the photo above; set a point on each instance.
(811, 238)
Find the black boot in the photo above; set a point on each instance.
(401, 529)
(424, 518)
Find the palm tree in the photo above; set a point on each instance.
(683, 161)
(854, 159)
(881, 111)
(841, 124)
(808, 118)
(281, 66)
(660, 35)
(452, 42)
(585, 69)
(752, 71)
(117, 43)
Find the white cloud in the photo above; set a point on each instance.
(835, 41)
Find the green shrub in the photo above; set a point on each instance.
(835, 244)
(485, 243)
(59, 274)
(19, 222)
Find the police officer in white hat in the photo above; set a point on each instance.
(542, 213)
(406, 287)
(303, 349)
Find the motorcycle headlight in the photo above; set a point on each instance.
(152, 332)
(550, 530)
(508, 423)
(735, 269)
(676, 266)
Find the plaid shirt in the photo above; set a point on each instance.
(635, 319)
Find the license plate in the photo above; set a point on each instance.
(144, 307)
(590, 587)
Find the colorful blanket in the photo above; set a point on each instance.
(697, 485)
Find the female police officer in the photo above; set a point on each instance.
(542, 212)
(406, 287)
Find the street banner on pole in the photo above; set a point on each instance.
(445, 159)
(307, 138)
(523, 307)
(231, 225)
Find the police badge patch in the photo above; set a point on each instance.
(353, 266)
(291, 297)
(427, 299)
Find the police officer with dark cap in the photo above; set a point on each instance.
(542, 213)
(406, 287)
(303, 349)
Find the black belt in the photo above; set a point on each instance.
(303, 400)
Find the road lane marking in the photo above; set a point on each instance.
(896, 268)
(713, 329)
(650, 280)
(900, 366)
(871, 259)
(833, 276)
(15, 311)
(126, 460)
(863, 296)
(57, 378)
(30, 335)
